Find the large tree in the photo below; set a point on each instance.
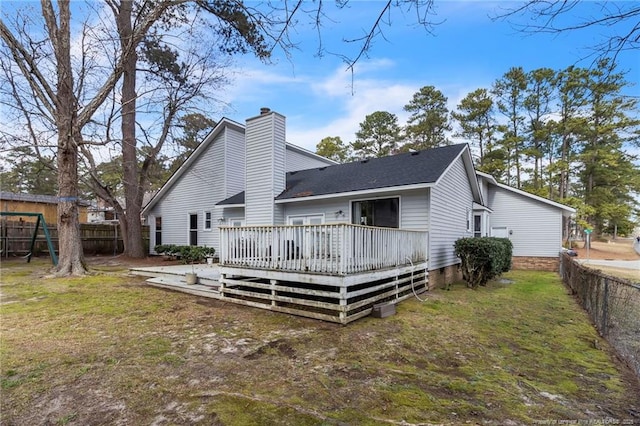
(571, 86)
(428, 124)
(102, 66)
(50, 89)
(509, 91)
(475, 117)
(379, 135)
(537, 103)
(333, 148)
(608, 175)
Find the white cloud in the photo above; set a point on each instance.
(318, 103)
(369, 95)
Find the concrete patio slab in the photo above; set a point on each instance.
(173, 277)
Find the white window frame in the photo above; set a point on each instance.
(381, 197)
(481, 230)
(306, 218)
(204, 220)
(470, 220)
(236, 219)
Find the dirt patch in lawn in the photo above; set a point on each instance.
(106, 349)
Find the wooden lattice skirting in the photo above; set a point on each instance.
(340, 299)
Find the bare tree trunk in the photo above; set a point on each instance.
(132, 231)
(70, 244)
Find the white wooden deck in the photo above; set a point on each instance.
(337, 249)
(329, 272)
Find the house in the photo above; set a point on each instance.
(533, 224)
(298, 233)
(33, 203)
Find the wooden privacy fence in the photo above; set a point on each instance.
(105, 239)
(612, 303)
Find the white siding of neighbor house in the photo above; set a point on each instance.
(296, 160)
(451, 200)
(234, 164)
(536, 227)
(265, 168)
(197, 191)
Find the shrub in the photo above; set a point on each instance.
(483, 258)
(167, 249)
(188, 254)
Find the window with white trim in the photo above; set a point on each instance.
(207, 221)
(384, 212)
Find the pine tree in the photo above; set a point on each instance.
(510, 91)
(476, 121)
(429, 120)
(379, 135)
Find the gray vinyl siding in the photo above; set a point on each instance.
(328, 208)
(235, 154)
(265, 175)
(536, 227)
(231, 213)
(451, 200)
(414, 208)
(296, 160)
(197, 191)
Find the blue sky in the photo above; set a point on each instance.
(466, 51)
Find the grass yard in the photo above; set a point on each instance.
(106, 349)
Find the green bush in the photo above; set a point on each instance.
(483, 258)
(187, 254)
(167, 249)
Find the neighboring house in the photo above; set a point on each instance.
(102, 212)
(45, 204)
(286, 221)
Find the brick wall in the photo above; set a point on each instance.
(438, 278)
(536, 263)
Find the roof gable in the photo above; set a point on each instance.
(175, 177)
(492, 181)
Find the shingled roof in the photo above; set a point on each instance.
(35, 198)
(410, 168)
(420, 167)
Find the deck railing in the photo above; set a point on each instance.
(337, 249)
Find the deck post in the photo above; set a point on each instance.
(343, 305)
(222, 285)
(273, 292)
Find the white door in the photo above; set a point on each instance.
(307, 242)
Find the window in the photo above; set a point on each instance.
(236, 222)
(193, 229)
(207, 221)
(477, 225)
(316, 219)
(469, 220)
(383, 212)
(158, 230)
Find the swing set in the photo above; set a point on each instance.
(39, 219)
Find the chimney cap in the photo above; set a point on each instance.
(265, 110)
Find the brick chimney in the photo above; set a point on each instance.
(265, 167)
